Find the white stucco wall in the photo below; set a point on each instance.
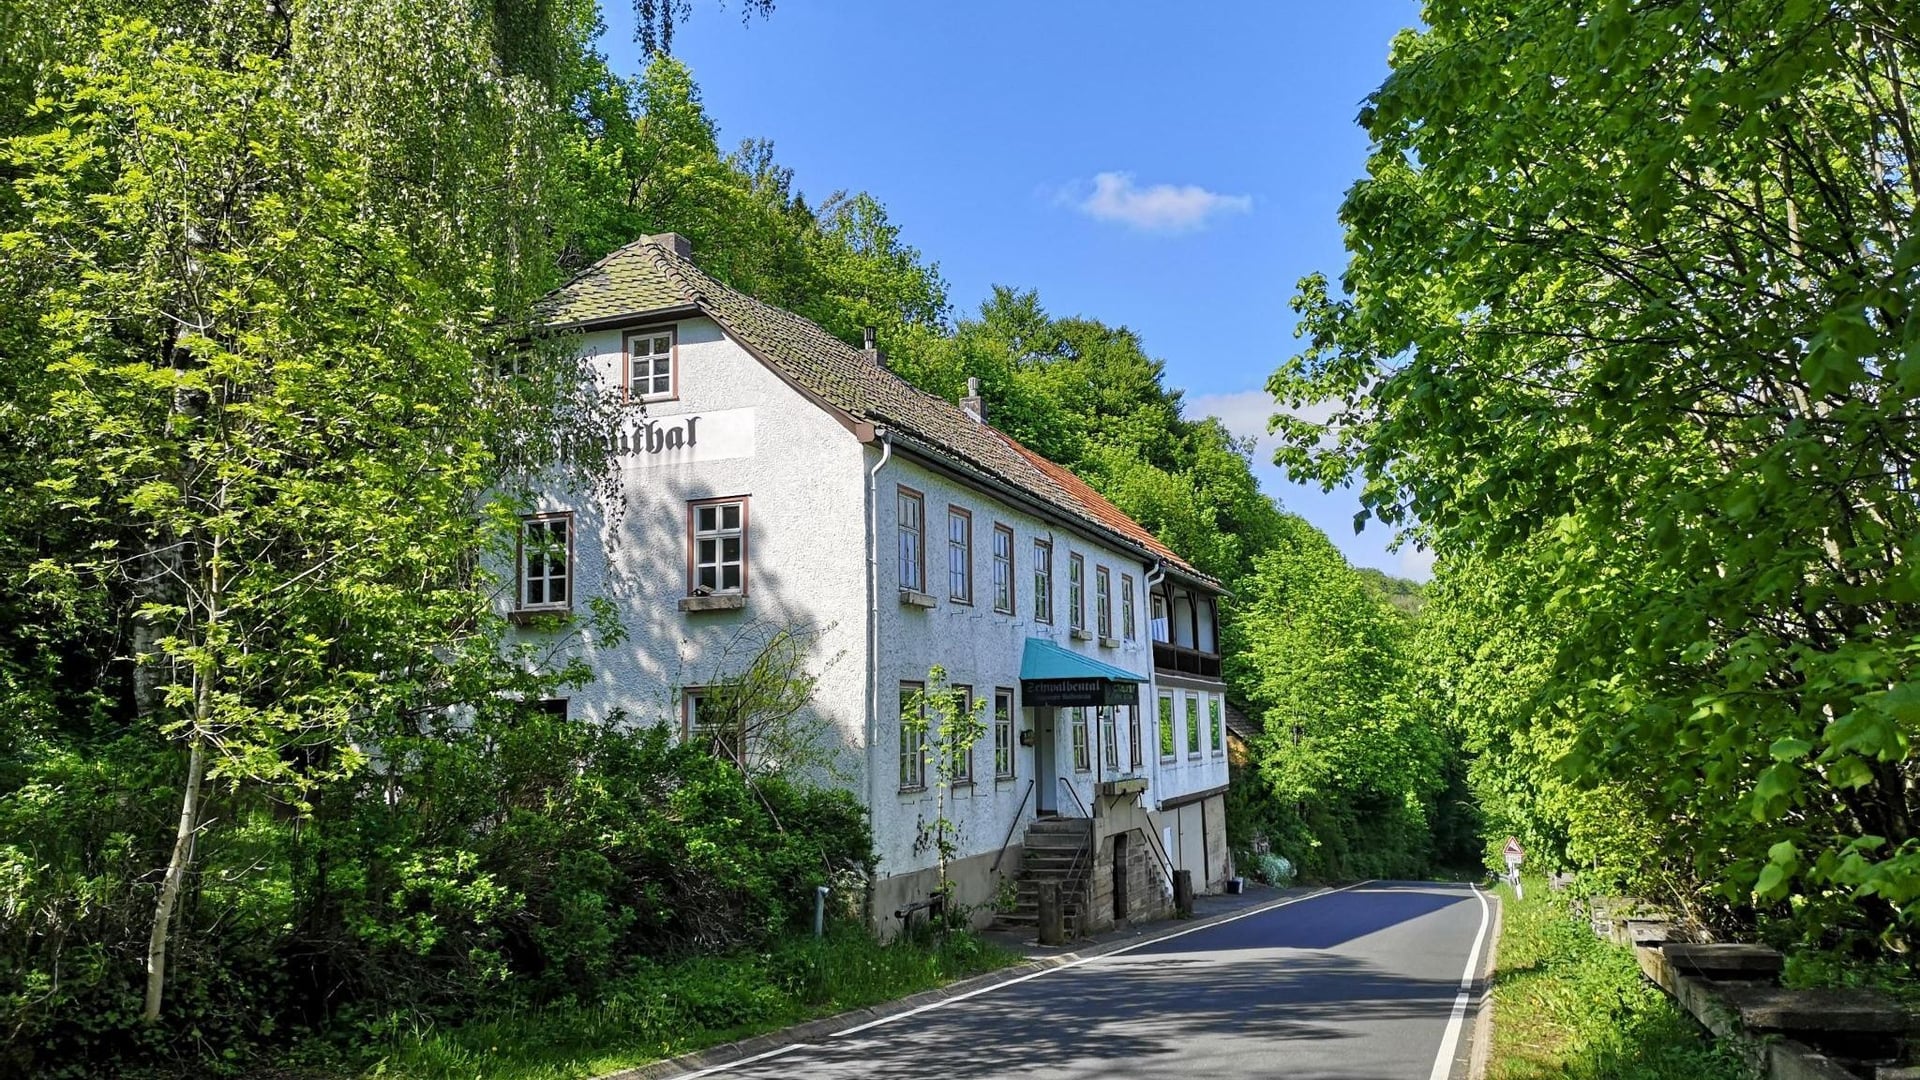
(805, 549)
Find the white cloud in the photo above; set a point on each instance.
(1161, 208)
(1246, 413)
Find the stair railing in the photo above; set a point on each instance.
(1068, 784)
(1160, 853)
(1012, 825)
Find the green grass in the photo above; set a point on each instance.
(680, 1008)
(1566, 1004)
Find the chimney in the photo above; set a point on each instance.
(674, 242)
(972, 403)
(873, 351)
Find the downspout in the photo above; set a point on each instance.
(1154, 577)
(873, 626)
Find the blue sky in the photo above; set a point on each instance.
(1172, 168)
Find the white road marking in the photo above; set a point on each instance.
(1443, 1062)
(944, 1002)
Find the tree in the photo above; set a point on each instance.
(1630, 309)
(946, 725)
(262, 367)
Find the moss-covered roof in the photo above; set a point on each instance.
(648, 277)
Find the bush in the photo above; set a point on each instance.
(512, 861)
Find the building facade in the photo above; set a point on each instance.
(781, 478)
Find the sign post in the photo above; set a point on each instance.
(1515, 855)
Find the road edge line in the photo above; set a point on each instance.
(1450, 1042)
(1482, 1037)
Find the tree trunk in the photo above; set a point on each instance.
(182, 850)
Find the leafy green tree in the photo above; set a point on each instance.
(1630, 310)
(260, 365)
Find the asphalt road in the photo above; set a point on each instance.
(1359, 984)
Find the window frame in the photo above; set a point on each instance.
(1008, 566)
(1136, 754)
(520, 602)
(1103, 603)
(902, 496)
(1082, 740)
(962, 514)
(627, 337)
(1043, 580)
(1076, 591)
(918, 781)
(956, 778)
(736, 750)
(1196, 742)
(1004, 758)
(694, 535)
(1217, 724)
(1129, 625)
(1166, 714)
(1109, 719)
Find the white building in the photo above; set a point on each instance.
(782, 476)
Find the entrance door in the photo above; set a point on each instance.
(1120, 877)
(1046, 790)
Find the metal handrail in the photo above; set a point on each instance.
(1084, 811)
(1166, 861)
(1012, 826)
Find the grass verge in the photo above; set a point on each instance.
(1566, 1004)
(666, 1010)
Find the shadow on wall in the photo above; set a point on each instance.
(633, 550)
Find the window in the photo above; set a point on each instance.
(717, 534)
(959, 555)
(1042, 580)
(708, 727)
(1167, 750)
(1109, 738)
(912, 517)
(1082, 753)
(1127, 630)
(650, 368)
(1193, 726)
(1160, 618)
(1003, 569)
(1003, 734)
(1076, 592)
(1219, 726)
(1103, 603)
(962, 767)
(1134, 749)
(546, 559)
(913, 738)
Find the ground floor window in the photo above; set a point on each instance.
(1134, 748)
(705, 724)
(913, 738)
(962, 763)
(1003, 734)
(1082, 752)
(1109, 738)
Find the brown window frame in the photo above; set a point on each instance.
(1010, 721)
(904, 494)
(1076, 591)
(966, 515)
(520, 603)
(672, 332)
(1043, 581)
(954, 778)
(1103, 603)
(1012, 569)
(919, 780)
(1129, 625)
(691, 694)
(1136, 754)
(746, 544)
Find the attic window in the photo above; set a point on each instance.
(653, 370)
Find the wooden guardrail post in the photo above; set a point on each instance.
(1053, 923)
(1183, 893)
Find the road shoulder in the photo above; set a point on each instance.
(1480, 1041)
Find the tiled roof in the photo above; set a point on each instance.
(648, 276)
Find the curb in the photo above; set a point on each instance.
(827, 1026)
(1482, 1037)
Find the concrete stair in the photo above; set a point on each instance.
(1060, 850)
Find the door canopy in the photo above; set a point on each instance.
(1057, 677)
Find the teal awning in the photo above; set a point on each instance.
(1051, 675)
